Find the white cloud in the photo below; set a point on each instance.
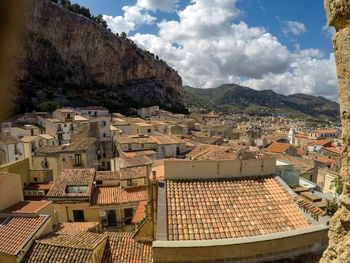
(329, 31)
(293, 27)
(306, 75)
(133, 17)
(164, 5)
(208, 48)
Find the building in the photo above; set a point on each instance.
(147, 112)
(321, 134)
(231, 211)
(281, 148)
(11, 149)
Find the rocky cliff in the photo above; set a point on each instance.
(338, 15)
(67, 58)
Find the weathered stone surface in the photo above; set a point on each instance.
(67, 57)
(338, 13)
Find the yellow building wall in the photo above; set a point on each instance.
(20, 167)
(10, 191)
(289, 245)
(174, 169)
(134, 182)
(7, 259)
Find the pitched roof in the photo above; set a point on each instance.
(72, 177)
(140, 212)
(7, 140)
(74, 227)
(135, 161)
(121, 247)
(133, 172)
(46, 136)
(277, 147)
(332, 149)
(39, 186)
(324, 131)
(229, 208)
(28, 138)
(322, 143)
(15, 232)
(167, 139)
(63, 247)
(93, 108)
(211, 152)
(107, 175)
(104, 195)
(26, 207)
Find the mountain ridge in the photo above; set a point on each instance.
(229, 98)
(68, 59)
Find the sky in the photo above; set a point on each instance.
(284, 45)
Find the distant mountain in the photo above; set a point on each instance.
(230, 98)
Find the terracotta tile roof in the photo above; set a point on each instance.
(15, 232)
(143, 124)
(84, 240)
(301, 136)
(135, 161)
(105, 195)
(231, 208)
(301, 152)
(26, 207)
(133, 172)
(332, 149)
(80, 118)
(7, 140)
(2, 175)
(322, 143)
(107, 175)
(65, 248)
(39, 186)
(158, 167)
(167, 139)
(127, 139)
(325, 160)
(276, 147)
(72, 177)
(210, 152)
(138, 153)
(73, 227)
(140, 212)
(324, 131)
(28, 138)
(46, 136)
(51, 253)
(121, 247)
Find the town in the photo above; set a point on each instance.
(88, 185)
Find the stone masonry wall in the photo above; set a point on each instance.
(338, 15)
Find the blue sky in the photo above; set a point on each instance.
(264, 44)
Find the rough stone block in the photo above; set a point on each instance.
(338, 13)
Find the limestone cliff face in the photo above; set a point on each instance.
(338, 15)
(68, 58)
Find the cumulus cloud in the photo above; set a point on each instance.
(133, 16)
(306, 75)
(328, 31)
(293, 27)
(163, 5)
(208, 47)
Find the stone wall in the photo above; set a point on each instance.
(338, 15)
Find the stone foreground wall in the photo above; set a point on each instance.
(338, 15)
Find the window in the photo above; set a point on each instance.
(104, 155)
(103, 124)
(104, 135)
(76, 189)
(129, 182)
(35, 179)
(71, 127)
(149, 130)
(78, 215)
(77, 160)
(16, 149)
(128, 212)
(89, 112)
